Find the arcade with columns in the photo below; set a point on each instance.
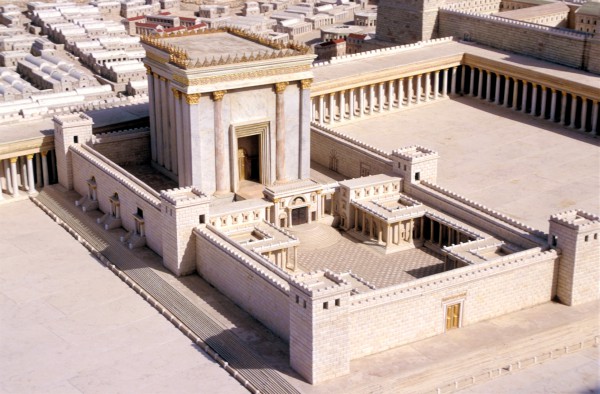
(572, 105)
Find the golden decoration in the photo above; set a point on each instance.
(218, 95)
(148, 69)
(192, 98)
(306, 83)
(237, 76)
(280, 87)
(176, 93)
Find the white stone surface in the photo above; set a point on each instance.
(67, 324)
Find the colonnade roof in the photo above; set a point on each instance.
(363, 69)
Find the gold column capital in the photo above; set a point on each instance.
(280, 87)
(306, 83)
(218, 95)
(29, 156)
(176, 93)
(13, 160)
(553, 90)
(148, 69)
(44, 153)
(535, 85)
(162, 78)
(191, 98)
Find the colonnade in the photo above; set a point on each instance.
(351, 103)
(27, 173)
(544, 102)
(163, 122)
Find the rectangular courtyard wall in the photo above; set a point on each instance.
(563, 47)
(352, 157)
(390, 317)
(111, 179)
(125, 148)
(244, 280)
(477, 215)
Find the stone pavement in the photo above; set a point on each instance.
(524, 167)
(68, 325)
(322, 246)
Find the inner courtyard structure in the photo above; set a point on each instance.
(263, 172)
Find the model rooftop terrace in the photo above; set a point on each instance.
(414, 59)
(204, 48)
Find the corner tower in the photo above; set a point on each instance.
(577, 235)
(407, 21)
(228, 107)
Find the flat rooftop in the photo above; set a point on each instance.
(203, 46)
(522, 166)
(452, 50)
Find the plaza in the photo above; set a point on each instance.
(524, 167)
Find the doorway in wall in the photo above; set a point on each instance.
(249, 158)
(299, 216)
(452, 316)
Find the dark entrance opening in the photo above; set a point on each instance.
(249, 158)
(299, 216)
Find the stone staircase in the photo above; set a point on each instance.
(461, 370)
(240, 361)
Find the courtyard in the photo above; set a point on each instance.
(522, 166)
(323, 247)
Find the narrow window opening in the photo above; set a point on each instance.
(326, 305)
(587, 238)
(297, 299)
(140, 213)
(554, 240)
(76, 139)
(304, 304)
(337, 302)
(417, 176)
(202, 219)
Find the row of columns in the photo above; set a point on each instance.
(571, 110)
(384, 96)
(26, 173)
(163, 122)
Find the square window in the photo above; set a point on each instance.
(326, 305)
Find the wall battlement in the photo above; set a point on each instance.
(484, 209)
(119, 174)
(451, 278)
(383, 51)
(512, 22)
(577, 219)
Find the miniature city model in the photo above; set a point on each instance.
(237, 117)
(243, 149)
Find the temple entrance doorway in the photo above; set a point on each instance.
(299, 216)
(249, 158)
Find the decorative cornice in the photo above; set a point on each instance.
(218, 95)
(192, 98)
(280, 87)
(238, 76)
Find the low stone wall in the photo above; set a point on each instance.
(546, 43)
(244, 280)
(353, 156)
(136, 151)
(393, 316)
(111, 179)
(478, 215)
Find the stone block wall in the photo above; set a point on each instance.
(390, 317)
(135, 151)
(593, 55)
(346, 157)
(245, 281)
(478, 215)
(110, 180)
(567, 48)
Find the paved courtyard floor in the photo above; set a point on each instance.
(69, 325)
(522, 166)
(322, 246)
